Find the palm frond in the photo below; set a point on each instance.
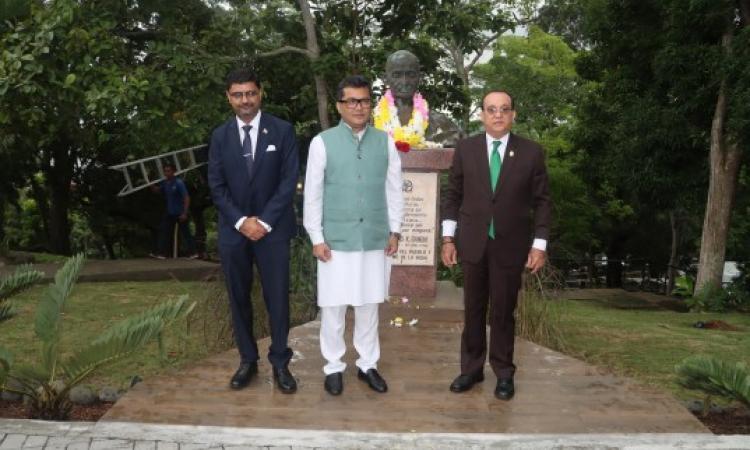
(715, 377)
(124, 338)
(46, 323)
(7, 310)
(167, 312)
(23, 278)
(29, 377)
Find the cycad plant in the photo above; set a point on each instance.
(23, 278)
(48, 381)
(713, 376)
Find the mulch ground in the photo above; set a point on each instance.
(731, 421)
(79, 413)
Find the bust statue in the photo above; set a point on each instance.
(404, 113)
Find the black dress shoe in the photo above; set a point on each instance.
(284, 380)
(465, 382)
(244, 374)
(373, 379)
(334, 383)
(505, 389)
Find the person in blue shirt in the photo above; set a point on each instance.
(178, 204)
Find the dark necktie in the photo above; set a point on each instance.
(495, 164)
(247, 149)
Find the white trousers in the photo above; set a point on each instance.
(366, 340)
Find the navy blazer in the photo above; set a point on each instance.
(267, 192)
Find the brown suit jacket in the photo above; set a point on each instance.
(522, 192)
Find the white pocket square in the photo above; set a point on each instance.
(271, 148)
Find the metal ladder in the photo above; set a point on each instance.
(142, 173)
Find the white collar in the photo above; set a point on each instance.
(254, 123)
(503, 140)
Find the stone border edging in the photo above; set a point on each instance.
(211, 435)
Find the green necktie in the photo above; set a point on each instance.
(495, 164)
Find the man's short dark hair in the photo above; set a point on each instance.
(170, 165)
(498, 91)
(242, 75)
(353, 81)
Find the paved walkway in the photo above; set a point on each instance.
(27, 434)
(555, 393)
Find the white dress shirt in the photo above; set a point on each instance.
(449, 226)
(255, 123)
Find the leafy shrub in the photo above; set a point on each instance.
(684, 285)
(711, 297)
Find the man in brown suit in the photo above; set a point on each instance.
(496, 181)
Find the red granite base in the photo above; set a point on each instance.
(413, 281)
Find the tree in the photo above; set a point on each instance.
(564, 18)
(728, 138)
(92, 84)
(660, 80)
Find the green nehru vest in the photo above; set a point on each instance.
(355, 214)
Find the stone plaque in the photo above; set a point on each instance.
(417, 246)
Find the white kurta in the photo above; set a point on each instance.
(350, 278)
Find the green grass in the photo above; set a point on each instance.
(93, 307)
(43, 258)
(638, 340)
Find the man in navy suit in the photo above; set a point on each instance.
(252, 172)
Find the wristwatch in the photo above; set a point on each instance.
(396, 235)
(448, 240)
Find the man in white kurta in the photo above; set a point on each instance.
(352, 277)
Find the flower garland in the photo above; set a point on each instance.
(386, 118)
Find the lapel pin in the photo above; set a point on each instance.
(511, 153)
(265, 131)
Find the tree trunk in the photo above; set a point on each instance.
(725, 160)
(2, 220)
(313, 50)
(58, 175)
(109, 246)
(615, 254)
(672, 266)
(59, 225)
(458, 63)
(42, 204)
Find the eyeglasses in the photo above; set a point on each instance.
(241, 95)
(491, 110)
(352, 103)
